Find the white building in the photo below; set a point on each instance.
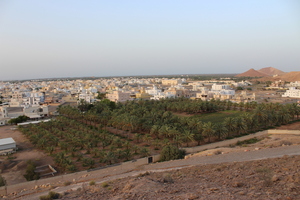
(7, 143)
(295, 84)
(153, 91)
(87, 97)
(162, 95)
(220, 87)
(292, 92)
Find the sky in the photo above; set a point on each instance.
(72, 38)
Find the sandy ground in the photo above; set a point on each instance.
(14, 169)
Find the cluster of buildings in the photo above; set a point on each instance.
(32, 98)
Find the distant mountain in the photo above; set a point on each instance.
(271, 71)
(289, 77)
(252, 73)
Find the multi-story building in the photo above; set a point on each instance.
(171, 81)
(118, 96)
(292, 92)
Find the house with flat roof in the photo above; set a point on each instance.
(7, 144)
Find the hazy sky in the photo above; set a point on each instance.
(72, 38)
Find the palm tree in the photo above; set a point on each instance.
(145, 152)
(208, 130)
(240, 125)
(187, 136)
(229, 125)
(220, 130)
(110, 158)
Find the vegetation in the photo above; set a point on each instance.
(250, 141)
(2, 181)
(51, 195)
(19, 119)
(171, 152)
(30, 171)
(104, 133)
(92, 183)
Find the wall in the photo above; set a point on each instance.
(287, 132)
(224, 143)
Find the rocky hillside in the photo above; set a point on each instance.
(252, 73)
(276, 178)
(271, 71)
(289, 77)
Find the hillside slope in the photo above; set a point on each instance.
(271, 71)
(289, 77)
(252, 73)
(275, 178)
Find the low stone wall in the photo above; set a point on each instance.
(224, 143)
(287, 132)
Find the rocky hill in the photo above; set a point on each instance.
(289, 77)
(275, 178)
(271, 71)
(252, 73)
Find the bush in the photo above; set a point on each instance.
(171, 152)
(2, 181)
(92, 183)
(30, 173)
(67, 183)
(250, 141)
(167, 178)
(104, 184)
(54, 195)
(51, 195)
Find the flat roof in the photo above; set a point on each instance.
(7, 141)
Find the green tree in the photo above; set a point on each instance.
(208, 130)
(30, 171)
(171, 152)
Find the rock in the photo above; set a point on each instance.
(237, 184)
(257, 148)
(275, 178)
(192, 196)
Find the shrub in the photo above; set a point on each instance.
(67, 183)
(171, 152)
(104, 184)
(45, 197)
(30, 173)
(250, 141)
(167, 178)
(54, 195)
(51, 195)
(92, 183)
(2, 181)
